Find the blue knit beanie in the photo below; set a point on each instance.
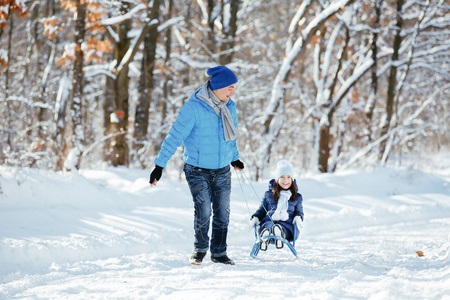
(221, 77)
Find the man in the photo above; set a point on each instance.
(207, 126)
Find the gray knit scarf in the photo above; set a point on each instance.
(207, 95)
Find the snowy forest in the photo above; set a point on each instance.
(325, 84)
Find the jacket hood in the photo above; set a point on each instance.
(202, 93)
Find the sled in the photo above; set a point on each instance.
(272, 238)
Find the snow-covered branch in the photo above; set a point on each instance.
(125, 17)
(134, 47)
(28, 102)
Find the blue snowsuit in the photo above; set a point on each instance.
(295, 209)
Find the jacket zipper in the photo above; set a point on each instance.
(218, 134)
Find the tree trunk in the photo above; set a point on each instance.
(118, 147)
(117, 115)
(7, 140)
(392, 84)
(325, 126)
(211, 40)
(146, 82)
(168, 81)
(229, 33)
(47, 68)
(73, 159)
(374, 84)
(108, 109)
(11, 26)
(324, 148)
(188, 20)
(59, 136)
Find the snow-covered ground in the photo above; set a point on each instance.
(108, 235)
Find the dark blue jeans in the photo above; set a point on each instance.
(210, 191)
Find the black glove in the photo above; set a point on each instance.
(156, 174)
(238, 164)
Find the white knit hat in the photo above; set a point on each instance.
(284, 167)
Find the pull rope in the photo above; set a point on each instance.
(267, 213)
(243, 192)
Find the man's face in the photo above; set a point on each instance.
(225, 93)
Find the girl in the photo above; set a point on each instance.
(281, 208)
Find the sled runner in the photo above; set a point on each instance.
(272, 238)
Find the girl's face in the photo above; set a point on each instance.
(285, 182)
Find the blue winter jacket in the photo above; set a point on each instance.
(295, 209)
(200, 130)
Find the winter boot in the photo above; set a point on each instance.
(263, 244)
(223, 260)
(197, 258)
(278, 231)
